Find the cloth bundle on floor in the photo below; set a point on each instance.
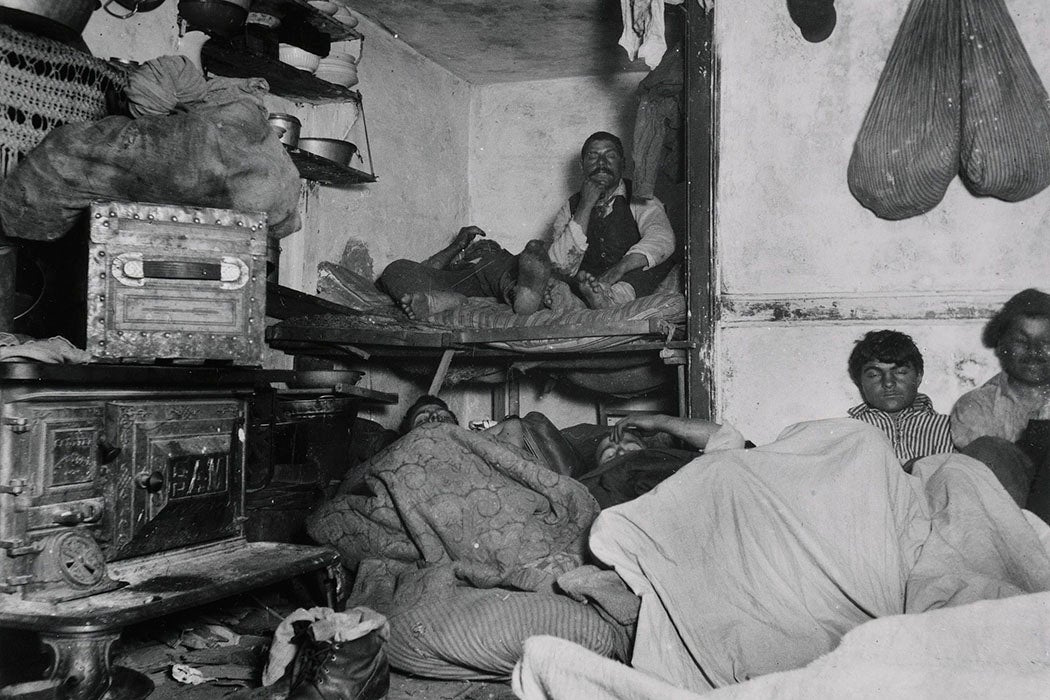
(958, 94)
(214, 148)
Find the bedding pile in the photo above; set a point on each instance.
(459, 539)
(750, 562)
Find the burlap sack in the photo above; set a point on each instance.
(218, 152)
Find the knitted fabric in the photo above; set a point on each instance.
(45, 84)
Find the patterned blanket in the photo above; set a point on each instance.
(455, 535)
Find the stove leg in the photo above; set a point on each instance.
(81, 662)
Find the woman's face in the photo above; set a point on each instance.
(1024, 351)
(609, 449)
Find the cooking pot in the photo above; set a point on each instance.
(289, 128)
(221, 17)
(133, 7)
(58, 16)
(333, 149)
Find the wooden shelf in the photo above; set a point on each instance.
(220, 58)
(301, 9)
(327, 172)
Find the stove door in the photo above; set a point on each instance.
(178, 479)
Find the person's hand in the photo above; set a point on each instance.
(591, 193)
(466, 236)
(642, 421)
(613, 275)
(631, 261)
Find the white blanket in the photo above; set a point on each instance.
(758, 561)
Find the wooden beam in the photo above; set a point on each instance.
(442, 371)
(701, 147)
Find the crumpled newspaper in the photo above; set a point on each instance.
(188, 675)
(327, 625)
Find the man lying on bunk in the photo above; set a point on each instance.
(605, 247)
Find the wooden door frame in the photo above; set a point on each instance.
(701, 149)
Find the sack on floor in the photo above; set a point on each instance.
(215, 149)
(1005, 150)
(907, 151)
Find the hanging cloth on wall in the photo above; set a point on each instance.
(1005, 150)
(907, 151)
(643, 29)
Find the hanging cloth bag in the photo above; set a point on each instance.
(1005, 150)
(907, 151)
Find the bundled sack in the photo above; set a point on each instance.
(907, 151)
(1005, 149)
(196, 143)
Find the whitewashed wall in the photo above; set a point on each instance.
(803, 269)
(525, 144)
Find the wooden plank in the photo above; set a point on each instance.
(701, 152)
(408, 351)
(361, 338)
(522, 333)
(284, 303)
(442, 370)
(342, 389)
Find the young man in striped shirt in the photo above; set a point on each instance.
(887, 368)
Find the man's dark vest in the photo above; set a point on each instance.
(608, 237)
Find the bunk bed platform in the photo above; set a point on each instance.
(486, 334)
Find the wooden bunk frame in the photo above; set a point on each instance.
(650, 336)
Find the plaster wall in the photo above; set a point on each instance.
(416, 114)
(802, 268)
(525, 144)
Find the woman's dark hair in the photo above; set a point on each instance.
(421, 402)
(892, 347)
(1031, 303)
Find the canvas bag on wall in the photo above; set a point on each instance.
(907, 151)
(1005, 149)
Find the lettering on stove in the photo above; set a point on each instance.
(198, 474)
(72, 456)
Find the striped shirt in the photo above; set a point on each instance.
(917, 431)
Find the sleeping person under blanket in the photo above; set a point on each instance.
(605, 249)
(469, 542)
(749, 562)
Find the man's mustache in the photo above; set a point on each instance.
(601, 169)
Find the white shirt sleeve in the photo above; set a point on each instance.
(657, 241)
(568, 242)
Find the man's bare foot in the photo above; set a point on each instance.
(558, 296)
(419, 305)
(534, 271)
(596, 293)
